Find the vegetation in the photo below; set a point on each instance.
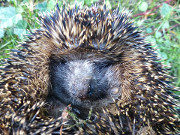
(159, 20)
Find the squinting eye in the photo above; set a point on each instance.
(114, 90)
(62, 61)
(102, 65)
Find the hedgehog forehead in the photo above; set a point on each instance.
(80, 69)
(76, 75)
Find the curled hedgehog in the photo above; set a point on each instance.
(86, 71)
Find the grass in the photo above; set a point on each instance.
(159, 20)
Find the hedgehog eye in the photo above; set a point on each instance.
(101, 65)
(62, 61)
(114, 91)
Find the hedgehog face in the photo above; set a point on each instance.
(84, 81)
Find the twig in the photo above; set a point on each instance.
(65, 117)
(149, 11)
(161, 30)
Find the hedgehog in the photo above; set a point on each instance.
(86, 71)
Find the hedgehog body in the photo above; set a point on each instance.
(86, 71)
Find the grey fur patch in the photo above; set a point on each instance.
(78, 77)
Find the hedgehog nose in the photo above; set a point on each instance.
(83, 95)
